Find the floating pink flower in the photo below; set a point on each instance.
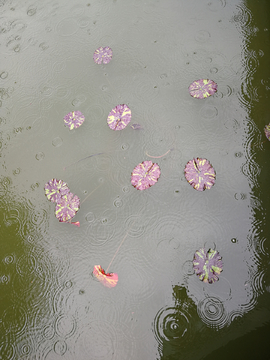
(202, 88)
(207, 265)
(74, 119)
(103, 55)
(119, 117)
(145, 175)
(200, 174)
(267, 131)
(109, 280)
(67, 207)
(55, 189)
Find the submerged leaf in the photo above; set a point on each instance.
(202, 88)
(145, 175)
(119, 117)
(103, 55)
(109, 280)
(136, 126)
(55, 189)
(200, 174)
(74, 119)
(207, 265)
(67, 207)
(267, 131)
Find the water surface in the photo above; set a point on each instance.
(51, 305)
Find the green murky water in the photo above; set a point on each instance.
(51, 306)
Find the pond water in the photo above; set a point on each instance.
(51, 305)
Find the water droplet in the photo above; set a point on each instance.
(4, 279)
(209, 112)
(202, 36)
(238, 154)
(163, 76)
(125, 146)
(35, 186)
(234, 240)
(60, 347)
(4, 75)
(57, 141)
(25, 349)
(214, 70)
(83, 22)
(89, 217)
(118, 202)
(9, 259)
(31, 11)
(68, 284)
(40, 155)
(48, 332)
(126, 189)
(16, 171)
(17, 48)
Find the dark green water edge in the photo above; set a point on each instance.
(255, 343)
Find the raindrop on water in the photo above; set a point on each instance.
(57, 141)
(4, 75)
(40, 155)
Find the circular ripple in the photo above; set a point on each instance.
(26, 265)
(7, 350)
(40, 156)
(209, 112)
(98, 234)
(108, 217)
(216, 5)
(212, 313)
(188, 267)
(65, 326)
(98, 341)
(67, 27)
(9, 259)
(48, 332)
(14, 319)
(118, 202)
(83, 21)
(222, 289)
(57, 141)
(60, 347)
(4, 75)
(90, 217)
(202, 36)
(172, 325)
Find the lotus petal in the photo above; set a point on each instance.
(145, 175)
(103, 55)
(74, 119)
(207, 265)
(202, 88)
(267, 131)
(200, 174)
(67, 207)
(119, 117)
(110, 280)
(55, 189)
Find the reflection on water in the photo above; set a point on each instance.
(50, 304)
